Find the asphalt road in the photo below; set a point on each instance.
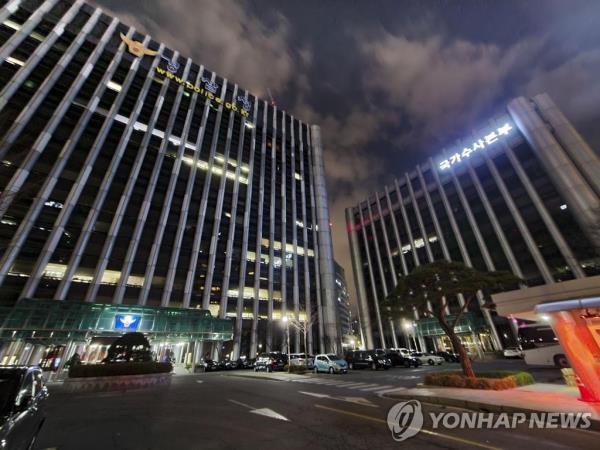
(237, 410)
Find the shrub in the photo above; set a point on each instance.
(487, 380)
(118, 369)
(523, 378)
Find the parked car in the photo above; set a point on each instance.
(448, 356)
(208, 365)
(330, 363)
(399, 360)
(22, 406)
(270, 362)
(513, 352)
(428, 358)
(300, 359)
(360, 359)
(402, 351)
(248, 363)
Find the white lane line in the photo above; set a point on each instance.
(387, 391)
(377, 387)
(356, 384)
(199, 381)
(365, 386)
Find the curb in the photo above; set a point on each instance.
(477, 406)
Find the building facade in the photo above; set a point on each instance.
(343, 301)
(132, 175)
(520, 194)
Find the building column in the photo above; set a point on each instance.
(363, 305)
(569, 181)
(36, 355)
(394, 337)
(586, 160)
(327, 272)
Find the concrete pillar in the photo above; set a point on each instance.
(363, 305)
(569, 181)
(584, 157)
(36, 355)
(333, 342)
(514, 328)
(394, 336)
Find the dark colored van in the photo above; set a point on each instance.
(362, 359)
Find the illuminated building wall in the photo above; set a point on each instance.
(343, 300)
(521, 194)
(130, 174)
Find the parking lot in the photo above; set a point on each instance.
(383, 381)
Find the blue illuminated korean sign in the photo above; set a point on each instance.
(127, 322)
(480, 144)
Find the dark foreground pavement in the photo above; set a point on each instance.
(221, 410)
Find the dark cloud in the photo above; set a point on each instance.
(223, 35)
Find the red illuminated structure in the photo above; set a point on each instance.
(577, 326)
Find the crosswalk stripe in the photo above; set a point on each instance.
(387, 391)
(356, 384)
(365, 386)
(377, 387)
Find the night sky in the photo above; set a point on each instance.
(390, 82)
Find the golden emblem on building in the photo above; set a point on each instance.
(137, 48)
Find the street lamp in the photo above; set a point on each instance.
(287, 330)
(408, 327)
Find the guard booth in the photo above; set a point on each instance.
(49, 332)
(572, 309)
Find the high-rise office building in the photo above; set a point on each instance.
(520, 194)
(131, 175)
(343, 301)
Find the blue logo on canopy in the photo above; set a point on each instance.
(127, 321)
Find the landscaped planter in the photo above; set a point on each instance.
(496, 381)
(116, 383)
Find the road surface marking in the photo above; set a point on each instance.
(261, 411)
(377, 387)
(269, 413)
(428, 432)
(358, 400)
(387, 391)
(242, 404)
(355, 385)
(365, 386)
(314, 394)
(199, 381)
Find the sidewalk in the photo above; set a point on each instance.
(539, 397)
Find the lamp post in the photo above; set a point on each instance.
(407, 329)
(287, 331)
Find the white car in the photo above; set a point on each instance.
(428, 358)
(402, 351)
(300, 359)
(513, 352)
